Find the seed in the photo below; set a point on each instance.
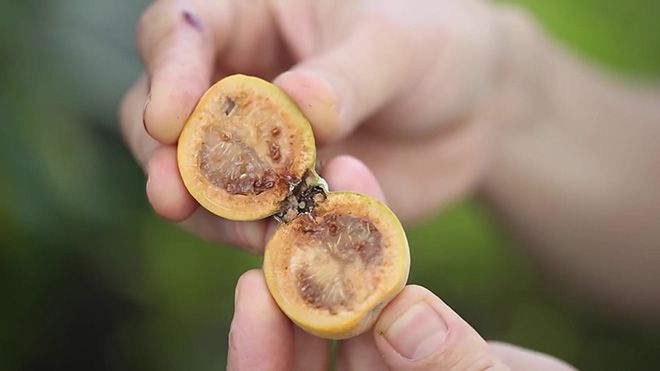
(275, 151)
(319, 197)
(229, 106)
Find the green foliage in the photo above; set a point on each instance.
(91, 279)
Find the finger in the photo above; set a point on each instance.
(439, 168)
(310, 352)
(359, 353)
(177, 45)
(519, 359)
(350, 174)
(417, 331)
(139, 143)
(251, 236)
(343, 85)
(165, 189)
(346, 173)
(260, 337)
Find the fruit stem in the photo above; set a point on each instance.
(303, 197)
(313, 179)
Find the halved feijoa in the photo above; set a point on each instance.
(332, 272)
(243, 148)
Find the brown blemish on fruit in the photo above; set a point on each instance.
(232, 165)
(347, 237)
(332, 246)
(228, 106)
(331, 295)
(274, 150)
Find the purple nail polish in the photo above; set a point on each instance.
(192, 20)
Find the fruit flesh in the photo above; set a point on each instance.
(334, 252)
(243, 148)
(331, 273)
(233, 165)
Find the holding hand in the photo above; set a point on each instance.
(400, 87)
(416, 331)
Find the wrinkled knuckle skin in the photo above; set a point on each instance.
(460, 355)
(487, 362)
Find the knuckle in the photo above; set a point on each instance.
(485, 361)
(156, 22)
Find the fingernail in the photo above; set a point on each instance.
(418, 332)
(144, 111)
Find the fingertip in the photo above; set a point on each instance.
(347, 173)
(165, 190)
(316, 98)
(251, 282)
(179, 56)
(171, 100)
(260, 336)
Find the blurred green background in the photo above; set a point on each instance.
(90, 279)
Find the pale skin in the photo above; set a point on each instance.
(439, 100)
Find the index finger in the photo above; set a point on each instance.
(177, 42)
(260, 337)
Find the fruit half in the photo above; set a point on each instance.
(332, 271)
(337, 258)
(243, 148)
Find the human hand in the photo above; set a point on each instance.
(416, 331)
(401, 87)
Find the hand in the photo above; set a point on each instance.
(416, 331)
(398, 86)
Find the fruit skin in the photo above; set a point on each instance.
(340, 326)
(215, 199)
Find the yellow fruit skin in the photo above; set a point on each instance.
(240, 207)
(341, 327)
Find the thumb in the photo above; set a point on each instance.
(417, 331)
